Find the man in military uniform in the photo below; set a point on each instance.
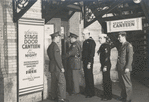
(104, 51)
(58, 83)
(88, 60)
(74, 64)
(124, 66)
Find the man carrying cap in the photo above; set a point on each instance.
(124, 66)
(74, 64)
(58, 83)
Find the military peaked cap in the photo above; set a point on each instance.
(55, 34)
(73, 35)
(122, 33)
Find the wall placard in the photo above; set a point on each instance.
(30, 55)
(124, 25)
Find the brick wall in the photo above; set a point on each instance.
(1, 53)
(8, 52)
(34, 13)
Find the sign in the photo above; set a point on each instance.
(124, 25)
(62, 32)
(136, 1)
(30, 55)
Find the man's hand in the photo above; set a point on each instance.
(105, 69)
(63, 70)
(89, 65)
(126, 70)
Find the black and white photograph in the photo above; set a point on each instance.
(74, 51)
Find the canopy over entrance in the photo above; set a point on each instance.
(92, 10)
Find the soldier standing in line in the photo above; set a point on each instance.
(104, 52)
(74, 65)
(58, 83)
(124, 67)
(88, 60)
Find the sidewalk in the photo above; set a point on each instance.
(140, 94)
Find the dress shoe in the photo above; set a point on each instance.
(104, 99)
(127, 101)
(63, 100)
(109, 98)
(53, 99)
(121, 99)
(89, 96)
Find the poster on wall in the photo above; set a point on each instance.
(30, 55)
(124, 25)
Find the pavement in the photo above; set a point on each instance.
(140, 94)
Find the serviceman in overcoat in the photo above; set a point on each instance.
(124, 66)
(58, 83)
(88, 53)
(73, 56)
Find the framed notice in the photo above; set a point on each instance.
(132, 24)
(30, 55)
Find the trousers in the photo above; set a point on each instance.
(73, 86)
(89, 80)
(58, 85)
(107, 83)
(125, 85)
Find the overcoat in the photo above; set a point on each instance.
(74, 56)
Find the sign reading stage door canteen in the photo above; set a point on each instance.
(30, 55)
(124, 25)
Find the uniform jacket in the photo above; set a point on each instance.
(104, 51)
(53, 52)
(88, 49)
(125, 57)
(74, 55)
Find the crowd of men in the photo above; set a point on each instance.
(76, 54)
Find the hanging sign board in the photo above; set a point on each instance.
(124, 25)
(30, 55)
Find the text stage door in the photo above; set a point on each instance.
(30, 55)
